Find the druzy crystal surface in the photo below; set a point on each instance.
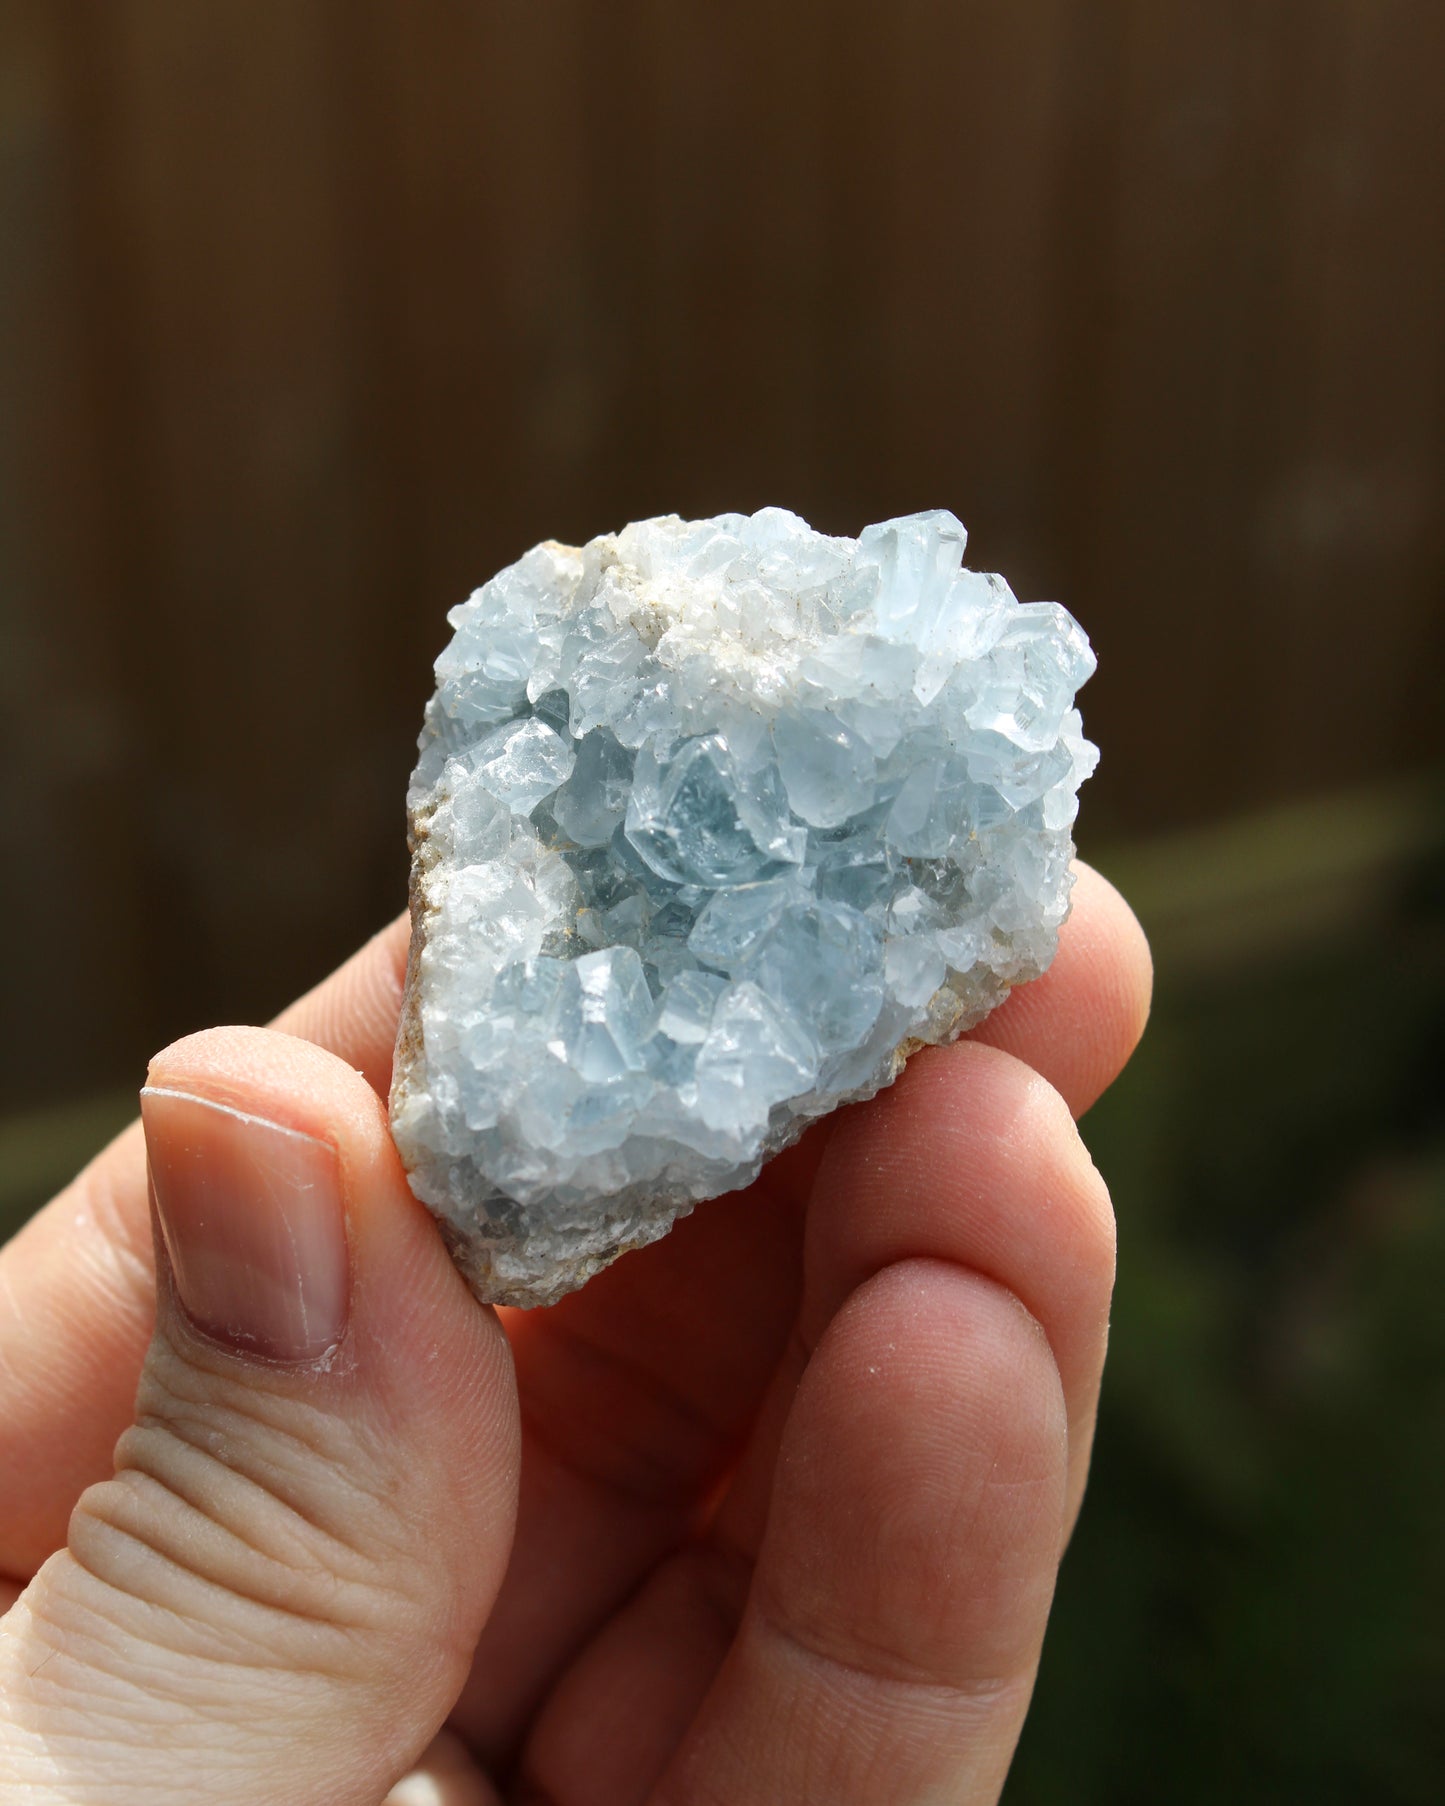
(714, 822)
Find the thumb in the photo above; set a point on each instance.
(277, 1595)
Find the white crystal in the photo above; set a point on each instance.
(713, 822)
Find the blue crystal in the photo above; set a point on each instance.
(801, 964)
(687, 1007)
(827, 767)
(591, 804)
(695, 818)
(523, 762)
(756, 1055)
(712, 821)
(737, 920)
(603, 1017)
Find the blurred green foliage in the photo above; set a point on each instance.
(44, 1149)
(1252, 1606)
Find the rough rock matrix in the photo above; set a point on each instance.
(714, 823)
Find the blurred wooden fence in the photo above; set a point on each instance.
(312, 312)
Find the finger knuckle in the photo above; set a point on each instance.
(245, 1519)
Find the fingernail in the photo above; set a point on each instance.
(253, 1224)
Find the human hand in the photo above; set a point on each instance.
(770, 1512)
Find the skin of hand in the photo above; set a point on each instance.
(769, 1512)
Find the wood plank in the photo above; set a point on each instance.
(73, 982)
(215, 181)
(317, 311)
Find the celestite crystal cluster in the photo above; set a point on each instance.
(714, 823)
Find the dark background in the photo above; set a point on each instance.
(315, 312)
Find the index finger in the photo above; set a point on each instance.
(1079, 1023)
